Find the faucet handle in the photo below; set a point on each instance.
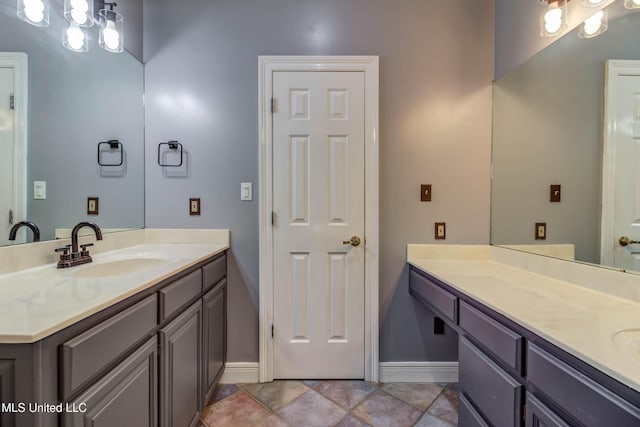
(85, 246)
(64, 250)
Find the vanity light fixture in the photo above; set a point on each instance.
(553, 17)
(34, 12)
(632, 4)
(111, 29)
(595, 25)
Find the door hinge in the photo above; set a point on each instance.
(10, 216)
(273, 103)
(11, 102)
(159, 350)
(272, 331)
(273, 218)
(524, 413)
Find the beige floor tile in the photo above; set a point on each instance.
(419, 395)
(276, 394)
(384, 410)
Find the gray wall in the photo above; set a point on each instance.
(548, 130)
(435, 107)
(75, 101)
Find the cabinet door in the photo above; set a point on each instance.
(125, 396)
(538, 415)
(496, 395)
(215, 331)
(181, 369)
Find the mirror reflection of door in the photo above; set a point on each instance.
(621, 166)
(13, 143)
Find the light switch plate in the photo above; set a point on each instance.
(39, 190)
(194, 206)
(555, 193)
(93, 205)
(246, 191)
(541, 230)
(425, 192)
(440, 231)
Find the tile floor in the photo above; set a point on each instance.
(333, 403)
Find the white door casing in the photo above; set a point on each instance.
(13, 142)
(621, 165)
(336, 256)
(318, 201)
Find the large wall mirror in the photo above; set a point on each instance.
(548, 130)
(74, 102)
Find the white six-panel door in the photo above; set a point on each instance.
(319, 203)
(621, 197)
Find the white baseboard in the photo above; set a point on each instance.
(241, 372)
(418, 372)
(389, 372)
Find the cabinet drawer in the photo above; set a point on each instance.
(586, 400)
(434, 296)
(494, 392)
(179, 293)
(213, 272)
(90, 352)
(497, 338)
(467, 415)
(538, 415)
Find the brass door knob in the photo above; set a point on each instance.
(624, 241)
(355, 241)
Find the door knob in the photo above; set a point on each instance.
(355, 241)
(624, 241)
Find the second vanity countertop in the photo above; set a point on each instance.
(601, 329)
(38, 302)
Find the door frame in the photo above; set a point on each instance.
(614, 68)
(20, 63)
(268, 65)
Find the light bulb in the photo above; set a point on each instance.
(593, 24)
(553, 21)
(80, 5)
(79, 16)
(75, 37)
(34, 10)
(111, 36)
(595, 2)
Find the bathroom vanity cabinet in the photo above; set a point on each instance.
(152, 359)
(509, 376)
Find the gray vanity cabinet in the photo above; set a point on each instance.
(215, 331)
(126, 396)
(180, 369)
(147, 361)
(510, 376)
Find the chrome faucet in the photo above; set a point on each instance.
(34, 228)
(77, 257)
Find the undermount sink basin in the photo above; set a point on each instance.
(628, 340)
(118, 267)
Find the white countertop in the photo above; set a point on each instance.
(38, 302)
(584, 322)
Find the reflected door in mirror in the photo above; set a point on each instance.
(621, 165)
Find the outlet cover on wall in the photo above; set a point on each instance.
(541, 230)
(440, 231)
(194, 206)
